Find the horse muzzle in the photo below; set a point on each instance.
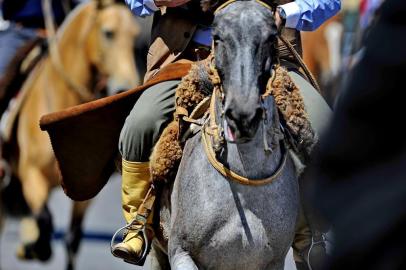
(241, 127)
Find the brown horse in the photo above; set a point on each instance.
(322, 54)
(96, 39)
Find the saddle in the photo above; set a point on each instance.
(192, 103)
(85, 137)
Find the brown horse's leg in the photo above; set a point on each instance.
(74, 236)
(35, 190)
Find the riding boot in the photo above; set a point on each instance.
(135, 185)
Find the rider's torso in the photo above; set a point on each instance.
(173, 31)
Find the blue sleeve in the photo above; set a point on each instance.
(142, 8)
(308, 15)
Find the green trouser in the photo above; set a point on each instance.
(154, 109)
(149, 116)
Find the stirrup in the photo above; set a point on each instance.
(318, 239)
(137, 225)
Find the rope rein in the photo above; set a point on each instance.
(213, 133)
(302, 64)
(213, 139)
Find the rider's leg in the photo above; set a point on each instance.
(305, 253)
(319, 115)
(11, 39)
(316, 107)
(141, 130)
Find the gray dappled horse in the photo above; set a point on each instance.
(216, 223)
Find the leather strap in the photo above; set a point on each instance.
(302, 64)
(229, 174)
(146, 206)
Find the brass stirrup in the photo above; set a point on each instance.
(137, 226)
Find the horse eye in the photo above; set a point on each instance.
(108, 34)
(216, 39)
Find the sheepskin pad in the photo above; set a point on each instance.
(195, 86)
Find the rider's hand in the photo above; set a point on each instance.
(170, 3)
(280, 19)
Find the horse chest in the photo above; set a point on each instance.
(225, 225)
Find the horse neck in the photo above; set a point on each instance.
(250, 159)
(71, 48)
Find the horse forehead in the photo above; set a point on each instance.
(245, 16)
(116, 17)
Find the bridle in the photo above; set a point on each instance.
(213, 141)
(216, 131)
(83, 92)
(213, 134)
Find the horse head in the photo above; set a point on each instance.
(244, 38)
(111, 45)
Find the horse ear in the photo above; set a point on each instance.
(105, 3)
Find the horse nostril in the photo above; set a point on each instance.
(230, 117)
(245, 119)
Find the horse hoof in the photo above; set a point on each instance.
(34, 251)
(69, 266)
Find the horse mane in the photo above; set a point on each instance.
(76, 13)
(14, 77)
